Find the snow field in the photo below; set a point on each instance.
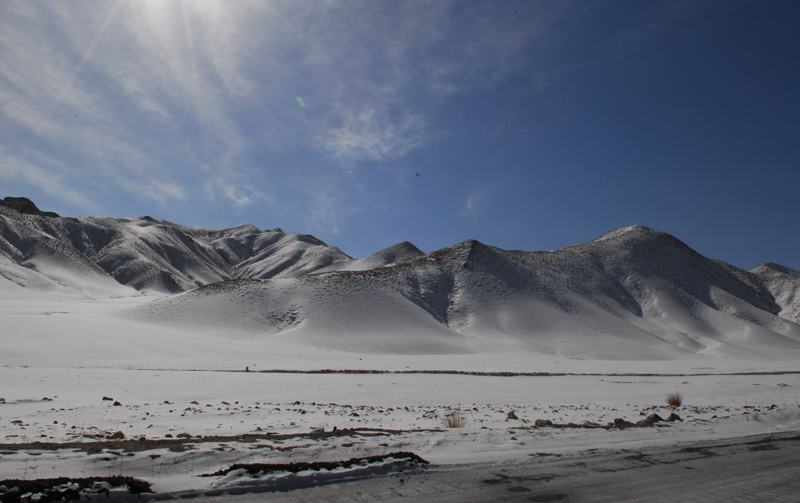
(388, 413)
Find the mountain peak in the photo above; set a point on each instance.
(26, 206)
(630, 230)
(400, 251)
(391, 255)
(773, 269)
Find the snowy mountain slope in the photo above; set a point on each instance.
(317, 310)
(153, 255)
(48, 263)
(634, 293)
(784, 285)
(393, 254)
(287, 255)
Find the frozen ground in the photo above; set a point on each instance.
(185, 406)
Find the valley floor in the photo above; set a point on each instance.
(169, 427)
(86, 393)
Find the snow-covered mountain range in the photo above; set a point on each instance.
(642, 292)
(156, 255)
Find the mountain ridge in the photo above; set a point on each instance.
(154, 255)
(643, 292)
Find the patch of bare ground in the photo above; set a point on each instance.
(476, 372)
(256, 469)
(187, 441)
(67, 489)
(616, 424)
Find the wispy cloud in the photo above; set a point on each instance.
(370, 135)
(113, 93)
(475, 202)
(162, 191)
(146, 94)
(238, 194)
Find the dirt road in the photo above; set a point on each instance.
(764, 468)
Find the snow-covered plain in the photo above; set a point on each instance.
(64, 352)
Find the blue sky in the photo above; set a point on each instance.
(526, 125)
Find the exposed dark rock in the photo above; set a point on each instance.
(650, 420)
(26, 206)
(621, 424)
(616, 424)
(266, 468)
(67, 489)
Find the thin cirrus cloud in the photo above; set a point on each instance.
(475, 202)
(368, 135)
(143, 96)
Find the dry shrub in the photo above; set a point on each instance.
(455, 420)
(674, 399)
